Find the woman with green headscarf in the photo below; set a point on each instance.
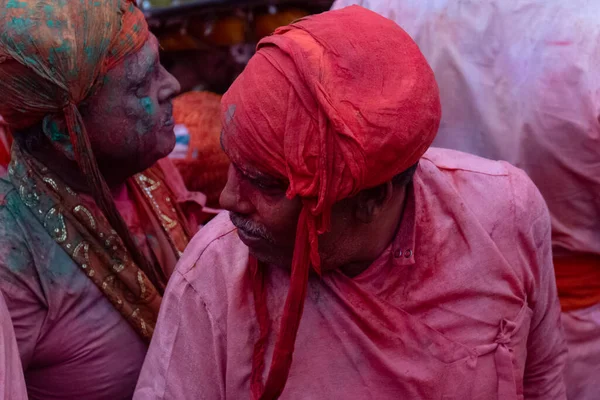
(90, 225)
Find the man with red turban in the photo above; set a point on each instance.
(90, 225)
(355, 263)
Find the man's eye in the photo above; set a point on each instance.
(262, 185)
(267, 187)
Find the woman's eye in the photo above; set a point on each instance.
(261, 185)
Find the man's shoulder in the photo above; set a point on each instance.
(495, 172)
(485, 184)
(453, 160)
(215, 250)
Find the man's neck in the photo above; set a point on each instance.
(380, 237)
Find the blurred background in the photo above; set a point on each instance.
(207, 43)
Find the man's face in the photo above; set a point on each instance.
(266, 219)
(130, 118)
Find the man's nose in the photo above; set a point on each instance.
(232, 198)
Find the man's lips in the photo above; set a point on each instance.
(248, 237)
(170, 121)
(247, 230)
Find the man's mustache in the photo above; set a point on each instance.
(250, 227)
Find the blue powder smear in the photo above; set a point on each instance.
(148, 105)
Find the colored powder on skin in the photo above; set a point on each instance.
(148, 105)
(113, 101)
(55, 133)
(140, 128)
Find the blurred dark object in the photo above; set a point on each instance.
(206, 69)
(207, 43)
(266, 23)
(156, 9)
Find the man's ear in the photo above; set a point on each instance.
(55, 130)
(371, 202)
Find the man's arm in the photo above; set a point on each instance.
(546, 348)
(12, 383)
(186, 358)
(19, 285)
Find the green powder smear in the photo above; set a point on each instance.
(148, 105)
(16, 4)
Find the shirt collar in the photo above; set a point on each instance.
(403, 247)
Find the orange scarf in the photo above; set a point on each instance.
(90, 241)
(578, 281)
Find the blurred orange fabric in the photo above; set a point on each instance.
(571, 274)
(205, 167)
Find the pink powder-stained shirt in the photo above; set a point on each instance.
(12, 383)
(73, 344)
(462, 305)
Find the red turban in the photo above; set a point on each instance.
(335, 103)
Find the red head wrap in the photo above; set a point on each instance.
(334, 103)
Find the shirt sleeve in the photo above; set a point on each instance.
(20, 287)
(186, 347)
(12, 383)
(546, 348)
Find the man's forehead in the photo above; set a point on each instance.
(238, 162)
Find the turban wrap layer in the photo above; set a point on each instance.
(53, 55)
(335, 103)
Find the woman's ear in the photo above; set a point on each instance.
(371, 202)
(55, 130)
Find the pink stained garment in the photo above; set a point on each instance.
(582, 331)
(462, 305)
(73, 343)
(12, 384)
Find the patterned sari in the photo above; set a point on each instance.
(90, 241)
